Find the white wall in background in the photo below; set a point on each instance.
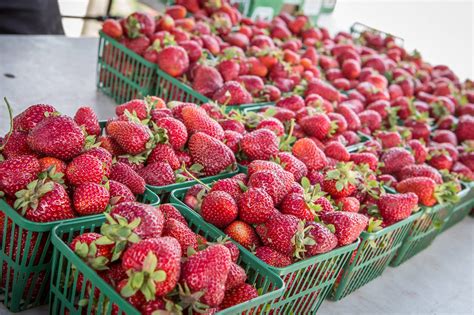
(443, 31)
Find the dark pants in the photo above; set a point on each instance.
(30, 17)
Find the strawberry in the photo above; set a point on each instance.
(348, 225)
(394, 208)
(324, 238)
(207, 271)
(389, 139)
(238, 295)
(293, 103)
(196, 120)
(194, 195)
(444, 136)
(175, 131)
(138, 23)
(16, 173)
(85, 169)
(88, 248)
(131, 136)
(261, 165)
(153, 267)
(16, 144)
(157, 174)
(325, 205)
(90, 198)
(353, 121)
(272, 257)
(232, 93)
(236, 277)
(124, 174)
(44, 201)
(467, 158)
(170, 212)
(49, 162)
(465, 127)
(233, 125)
(243, 233)
(229, 69)
(317, 125)
(207, 80)
(394, 159)
(173, 60)
(233, 249)
(151, 220)
(255, 206)
(260, 144)
(387, 180)
(180, 231)
(429, 193)
(228, 185)
(365, 158)
(219, 208)
(87, 119)
(440, 159)
(341, 181)
(296, 205)
(57, 136)
(293, 165)
(419, 151)
(138, 45)
(32, 116)
(327, 91)
(309, 153)
(370, 119)
(232, 140)
(348, 204)
(110, 145)
(164, 153)
(104, 156)
(251, 83)
(112, 28)
(213, 155)
(137, 107)
(119, 193)
(271, 182)
(337, 151)
(272, 124)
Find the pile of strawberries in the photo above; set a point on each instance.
(157, 262)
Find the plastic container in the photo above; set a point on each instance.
(25, 277)
(373, 255)
(308, 282)
(121, 73)
(461, 209)
(359, 28)
(65, 298)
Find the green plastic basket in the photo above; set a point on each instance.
(121, 73)
(422, 233)
(65, 295)
(308, 282)
(461, 209)
(25, 277)
(373, 255)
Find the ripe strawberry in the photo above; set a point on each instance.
(464, 130)
(236, 276)
(260, 144)
(49, 162)
(387, 180)
(110, 145)
(365, 158)
(230, 186)
(193, 49)
(337, 151)
(232, 140)
(394, 159)
(370, 119)
(238, 295)
(112, 28)
(124, 174)
(173, 60)
(291, 164)
(467, 158)
(131, 136)
(341, 181)
(86, 118)
(389, 139)
(327, 91)
(138, 23)
(212, 154)
(348, 204)
(16, 173)
(207, 271)
(272, 257)
(243, 233)
(229, 69)
(428, 192)
(156, 262)
(16, 144)
(104, 156)
(325, 204)
(137, 107)
(353, 121)
(157, 174)
(170, 212)
(219, 208)
(296, 205)
(207, 80)
(164, 153)
(255, 206)
(44, 202)
(234, 125)
(196, 120)
(261, 165)
(32, 116)
(180, 231)
(293, 103)
(440, 159)
(95, 255)
(348, 225)
(444, 136)
(309, 153)
(151, 220)
(119, 193)
(272, 124)
(324, 238)
(175, 130)
(232, 93)
(271, 182)
(58, 136)
(396, 207)
(419, 151)
(85, 169)
(317, 125)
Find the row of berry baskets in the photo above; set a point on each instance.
(38, 265)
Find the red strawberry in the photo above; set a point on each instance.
(137, 107)
(394, 159)
(327, 91)
(238, 295)
(85, 169)
(173, 60)
(370, 119)
(389, 139)
(337, 151)
(260, 165)
(251, 83)
(16, 173)
(325, 204)
(207, 271)
(124, 174)
(16, 145)
(296, 204)
(90, 198)
(428, 192)
(170, 212)
(234, 125)
(309, 153)
(95, 255)
(440, 159)
(157, 174)
(49, 162)
(340, 182)
(365, 158)
(86, 118)
(157, 262)
(419, 151)
(293, 103)
(293, 165)
(236, 276)
(467, 158)
(185, 236)
(151, 220)
(194, 195)
(444, 136)
(317, 125)
(119, 193)
(212, 154)
(232, 93)
(242, 233)
(104, 156)
(232, 140)
(464, 130)
(394, 208)
(131, 136)
(112, 28)
(271, 182)
(228, 185)
(229, 69)
(138, 45)
(272, 124)
(219, 208)
(164, 153)
(32, 116)
(387, 180)
(110, 145)
(260, 144)
(58, 137)
(176, 133)
(138, 23)
(324, 238)
(353, 121)
(272, 257)
(255, 206)
(348, 225)
(348, 204)
(196, 120)
(207, 80)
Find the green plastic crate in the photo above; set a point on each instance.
(121, 73)
(373, 255)
(308, 282)
(461, 209)
(25, 277)
(64, 298)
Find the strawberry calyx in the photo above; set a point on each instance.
(374, 225)
(446, 193)
(301, 239)
(288, 139)
(133, 27)
(343, 175)
(88, 253)
(31, 195)
(190, 299)
(120, 232)
(144, 280)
